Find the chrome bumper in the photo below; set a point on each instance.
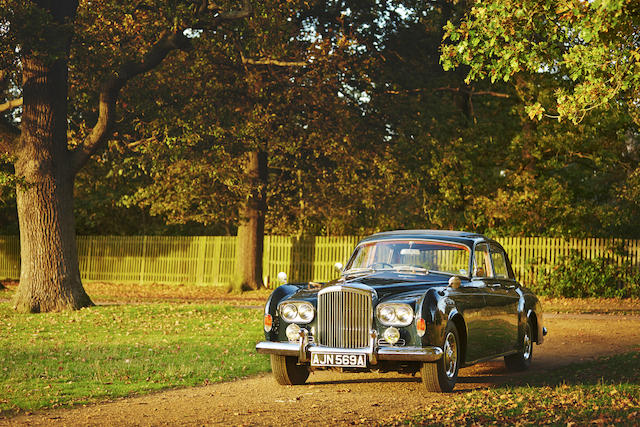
(304, 350)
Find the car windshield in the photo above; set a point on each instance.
(413, 256)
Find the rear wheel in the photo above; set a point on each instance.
(441, 376)
(287, 371)
(522, 360)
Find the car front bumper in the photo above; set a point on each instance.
(303, 349)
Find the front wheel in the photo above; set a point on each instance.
(522, 359)
(441, 376)
(287, 371)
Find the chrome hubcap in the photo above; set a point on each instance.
(450, 355)
(528, 343)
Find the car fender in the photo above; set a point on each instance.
(535, 314)
(436, 309)
(271, 306)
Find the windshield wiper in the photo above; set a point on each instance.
(411, 268)
(359, 270)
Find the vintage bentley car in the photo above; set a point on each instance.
(407, 301)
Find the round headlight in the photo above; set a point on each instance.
(305, 312)
(289, 312)
(395, 314)
(404, 314)
(387, 314)
(297, 312)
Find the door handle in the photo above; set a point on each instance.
(511, 287)
(494, 285)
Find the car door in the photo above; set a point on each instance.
(471, 302)
(502, 299)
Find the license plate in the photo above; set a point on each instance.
(341, 360)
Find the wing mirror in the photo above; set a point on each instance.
(338, 266)
(282, 276)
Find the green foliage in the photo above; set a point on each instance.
(577, 277)
(179, 155)
(467, 156)
(590, 48)
(372, 134)
(62, 359)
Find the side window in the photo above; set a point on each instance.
(482, 265)
(499, 263)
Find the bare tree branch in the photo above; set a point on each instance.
(450, 89)
(489, 93)
(112, 86)
(9, 105)
(111, 89)
(133, 145)
(275, 62)
(203, 23)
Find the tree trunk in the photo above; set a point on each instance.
(250, 243)
(50, 275)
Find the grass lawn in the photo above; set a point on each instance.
(59, 359)
(602, 392)
(105, 292)
(168, 336)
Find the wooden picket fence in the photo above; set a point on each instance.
(531, 256)
(201, 260)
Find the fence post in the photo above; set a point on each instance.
(200, 261)
(266, 261)
(144, 257)
(87, 274)
(216, 259)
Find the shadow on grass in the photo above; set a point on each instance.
(615, 369)
(605, 391)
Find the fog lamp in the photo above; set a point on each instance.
(293, 332)
(391, 335)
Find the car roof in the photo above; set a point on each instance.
(463, 237)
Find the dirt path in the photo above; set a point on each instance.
(334, 398)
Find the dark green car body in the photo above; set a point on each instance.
(482, 316)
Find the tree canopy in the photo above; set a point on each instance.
(142, 117)
(590, 48)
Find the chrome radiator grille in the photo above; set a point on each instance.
(344, 317)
